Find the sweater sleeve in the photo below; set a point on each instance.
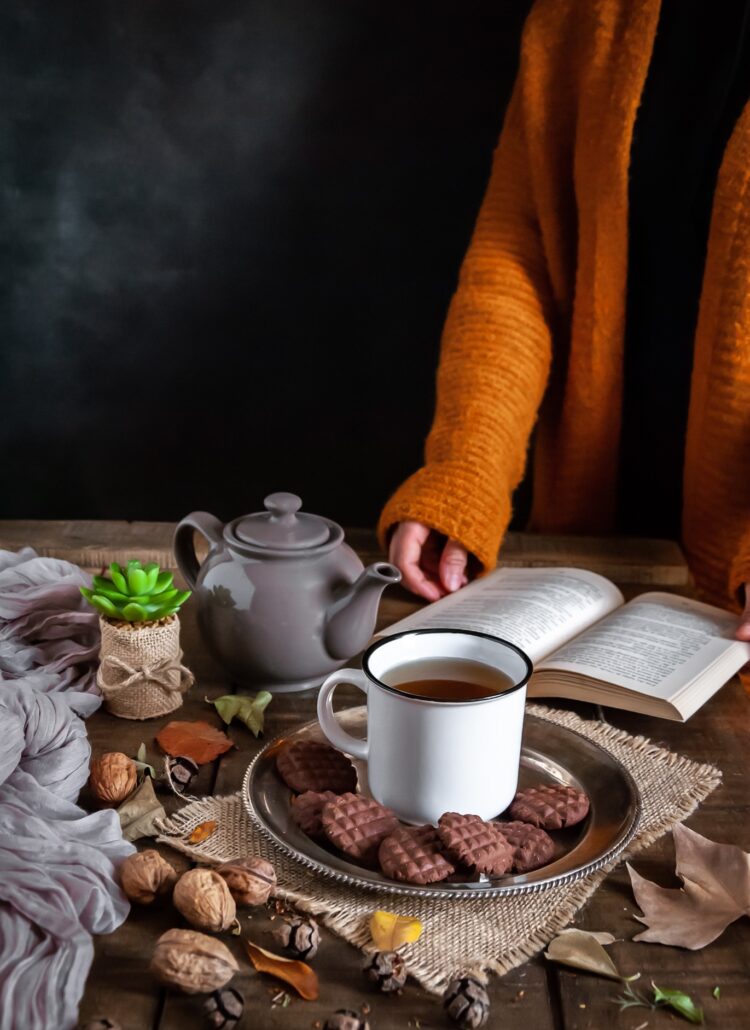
(494, 363)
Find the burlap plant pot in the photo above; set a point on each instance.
(140, 672)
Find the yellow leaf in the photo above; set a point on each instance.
(390, 931)
(202, 832)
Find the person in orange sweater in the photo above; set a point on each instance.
(604, 304)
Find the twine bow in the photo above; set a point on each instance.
(158, 673)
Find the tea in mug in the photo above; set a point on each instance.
(448, 679)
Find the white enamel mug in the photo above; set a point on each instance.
(426, 757)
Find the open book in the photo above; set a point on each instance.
(659, 654)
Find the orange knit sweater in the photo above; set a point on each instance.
(536, 326)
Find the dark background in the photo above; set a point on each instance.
(231, 232)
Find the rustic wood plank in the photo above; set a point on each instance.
(91, 543)
(94, 544)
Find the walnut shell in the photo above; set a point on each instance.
(194, 962)
(251, 880)
(113, 777)
(203, 898)
(146, 874)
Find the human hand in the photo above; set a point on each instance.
(431, 566)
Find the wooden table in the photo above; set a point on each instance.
(537, 995)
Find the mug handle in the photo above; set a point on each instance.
(328, 721)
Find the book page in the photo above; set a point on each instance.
(657, 644)
(536, 609)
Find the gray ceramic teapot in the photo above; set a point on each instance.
(282, 600)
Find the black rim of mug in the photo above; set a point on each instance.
(462, 632)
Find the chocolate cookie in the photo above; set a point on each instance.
(356, 825)
(313, 765)
(414, 854)
(306, 809)
(473, 842)
(532, 847)
(551, 806)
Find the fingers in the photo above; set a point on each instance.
(743, 630)
(406, 552)
(453, 566)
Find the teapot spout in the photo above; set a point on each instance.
(352, 616)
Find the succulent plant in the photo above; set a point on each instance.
(138, 593)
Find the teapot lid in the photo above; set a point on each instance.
(283, 526)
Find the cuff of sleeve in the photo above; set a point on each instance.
(739, 574)
(448, 498)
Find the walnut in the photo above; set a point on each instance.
(146, 874)
(113, 777)
(194, 962)
(203, 898)
(251, 880)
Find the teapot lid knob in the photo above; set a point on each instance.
(283, 506)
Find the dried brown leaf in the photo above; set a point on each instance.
(582, 949)
(139, 814)
(715, 892)
(197, 740)
(202, 831)
(297, 974)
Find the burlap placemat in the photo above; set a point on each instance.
(476, 936)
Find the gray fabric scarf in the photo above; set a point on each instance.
(57, 863)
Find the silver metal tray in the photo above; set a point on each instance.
(551, 754)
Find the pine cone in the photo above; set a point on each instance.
(298, 937)
(182, 771)
(346, 1019)
(223, 1009)
(387, 969)
(467, 1003)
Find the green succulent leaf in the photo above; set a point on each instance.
(151, 571)
(137, 581)
(163, 582)
(104, 605)
(134, 612)
(107, 588)
(117, 578)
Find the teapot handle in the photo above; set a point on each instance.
(184, 546)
